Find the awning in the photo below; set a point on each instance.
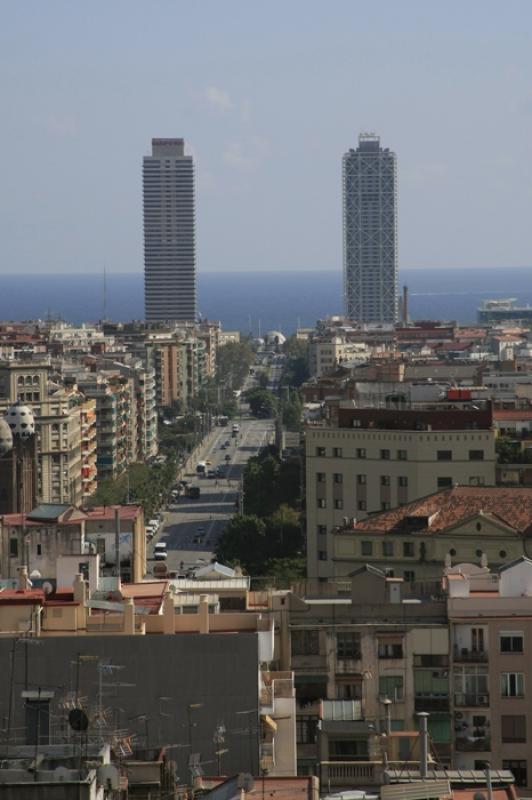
(303, 678)
(269, 721)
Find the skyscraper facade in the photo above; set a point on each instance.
(369, 178)
(169, 233)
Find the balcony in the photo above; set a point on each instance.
(431, 702)
(472, 700)
(343, 710)
(469, 656)
(349, 666)
(473, 744)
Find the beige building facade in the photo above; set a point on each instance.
(358, 468)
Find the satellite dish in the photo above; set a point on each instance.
(47, 587)
(78, 720)
(245, 781)
(35, 574)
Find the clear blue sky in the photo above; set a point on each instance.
(268, 95)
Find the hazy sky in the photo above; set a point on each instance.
(268, 95)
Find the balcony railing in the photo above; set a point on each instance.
(470, 656)
(472, 700)
(431, 702)
(474, 744)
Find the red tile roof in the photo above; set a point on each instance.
(21, 597)
(512, 506)
(108, 512)
(512, 413)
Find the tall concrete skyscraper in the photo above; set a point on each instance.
(169, 233)
(369, 176)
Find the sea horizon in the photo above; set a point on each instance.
(261, 299)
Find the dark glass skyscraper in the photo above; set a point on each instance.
(369, 176)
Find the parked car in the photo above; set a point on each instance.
(160, 555)
(154, 523)
(150, 532)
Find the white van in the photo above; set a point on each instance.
(159, 551)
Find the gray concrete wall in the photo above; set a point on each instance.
(168, 674)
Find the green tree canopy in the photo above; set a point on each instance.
(262, 403)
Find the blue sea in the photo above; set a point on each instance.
(248, 300)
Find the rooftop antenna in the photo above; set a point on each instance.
(104, 293)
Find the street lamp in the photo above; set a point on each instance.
(387, 703)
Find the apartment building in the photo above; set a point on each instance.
(491, 669)
(89, 471)
(367, 656)
(113, 426)
(376, 459)
(58, 425)
(464, 523)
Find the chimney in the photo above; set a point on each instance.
(23, 579)
(423, 744)
(80, 590)
(168, 613)
(129, 616)
(405, 306)
(203, 613)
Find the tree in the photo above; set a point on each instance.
(243, 541)
(262, 403)
(233, 361)
(260, 486)
(292, 411)
(285, 571)
(296, 367)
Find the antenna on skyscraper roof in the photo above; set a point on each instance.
(104, 293)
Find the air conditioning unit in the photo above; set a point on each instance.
(483, 699)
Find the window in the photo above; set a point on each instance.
(348, 645)
(361, 452)
(361, 505)
(366, 548)
(322, 503)
(322, 555)
(39, 549)
(445, 483)
(306, 730)
(361, 480)
(385, 480)
(408, 550)
(337, 452)
(409, 576)
(444, 455)
(402, 455)
(511, 642)
(512, 684)
(13, 548)
(320, 451)
(320, 477)
(391, 686)
(322, 530)
(402, 480)
(305, 643)
(476, 480)
(476, 455)
(518, 767)
(513, 728)
(390, 649)
(387, 548)
(349, 691)
(385, 455)
(338, 477)
(385, 505)
(338, 503)
(348, 750)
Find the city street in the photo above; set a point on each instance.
(191, 527)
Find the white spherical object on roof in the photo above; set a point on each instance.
(21, 421)
(275, 337)
(6, 437)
